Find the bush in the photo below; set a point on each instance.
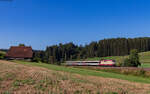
(2, 56)
(36, 59)
(133, 60)
(127, 63)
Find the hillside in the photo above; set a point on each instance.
(101, 48)
(2, 52)
(144, 58)
(33, 80)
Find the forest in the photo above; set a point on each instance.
(106, 47)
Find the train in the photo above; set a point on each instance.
(92, 63)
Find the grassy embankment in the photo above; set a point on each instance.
(144, 59)
(88, 72)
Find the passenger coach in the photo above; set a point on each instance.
(91, 63)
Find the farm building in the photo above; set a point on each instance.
(20, 52)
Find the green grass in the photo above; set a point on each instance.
(145, 57)
(2, 52)
(87, 72)
(145, 65)
(117, 58)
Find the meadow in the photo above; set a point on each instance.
(2, 52)
(39, 78)
(20, 77)
(89, 72)
(144, 59)
(134, 75)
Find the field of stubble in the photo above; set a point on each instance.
(22, 79)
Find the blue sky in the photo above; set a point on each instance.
(40, 23)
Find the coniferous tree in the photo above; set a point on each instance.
(102, 48)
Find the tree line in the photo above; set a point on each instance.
(106, 47)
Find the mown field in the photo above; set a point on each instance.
(82, 71)
(36, 78)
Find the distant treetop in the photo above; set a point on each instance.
(21, 44)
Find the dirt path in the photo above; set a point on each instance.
(22, 79)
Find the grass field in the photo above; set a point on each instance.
(145, 65)
(28, 78)
(2, 52)
(88, 72)
(22, 77)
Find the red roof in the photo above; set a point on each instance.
(20, 52)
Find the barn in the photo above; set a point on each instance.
(20, 52)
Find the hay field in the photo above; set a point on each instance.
(22, 79)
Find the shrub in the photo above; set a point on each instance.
(127, 63)
(133, 60)
(36, 59)
(2, 56)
